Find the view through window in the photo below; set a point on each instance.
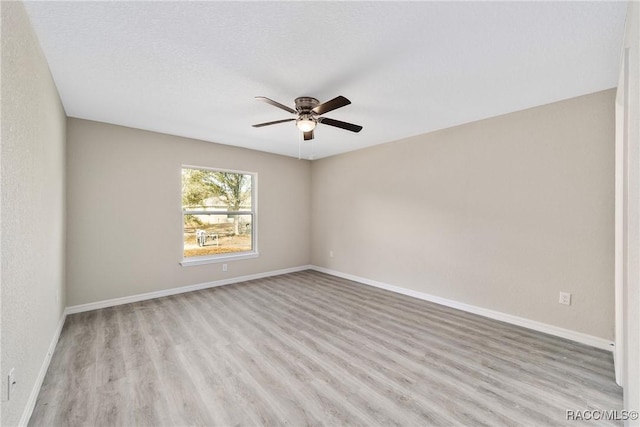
(218, 213)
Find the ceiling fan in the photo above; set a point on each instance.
(308, 111)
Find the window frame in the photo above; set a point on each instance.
(231, 256)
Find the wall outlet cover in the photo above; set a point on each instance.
(11, 382)
(565, 298)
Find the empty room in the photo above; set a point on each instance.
(320, 213)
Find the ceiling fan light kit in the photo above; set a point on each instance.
(306, 123)
(308, 111)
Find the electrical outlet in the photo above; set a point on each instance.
(330, 254)
(565, 298)
(224, 267)
(11, 382)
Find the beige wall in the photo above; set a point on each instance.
(124, 216)
(503, 213)
(33, 215)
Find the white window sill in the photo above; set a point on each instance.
(190, 262)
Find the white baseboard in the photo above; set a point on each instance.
(174, 291)
(33, 397)
(580, 337)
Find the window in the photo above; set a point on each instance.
(218, 215)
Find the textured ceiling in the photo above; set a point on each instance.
(193, 68)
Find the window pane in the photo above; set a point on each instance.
(212, 234)
(207, 196)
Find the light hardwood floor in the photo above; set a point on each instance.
(312, 349)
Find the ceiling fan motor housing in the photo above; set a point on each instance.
(305, 104)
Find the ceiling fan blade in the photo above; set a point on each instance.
(272, 123)
(308, 135)
(337, 102)
(339, 124)
(276, 104)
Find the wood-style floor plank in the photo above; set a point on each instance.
(315, 350)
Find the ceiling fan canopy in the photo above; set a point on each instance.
(308, 113)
